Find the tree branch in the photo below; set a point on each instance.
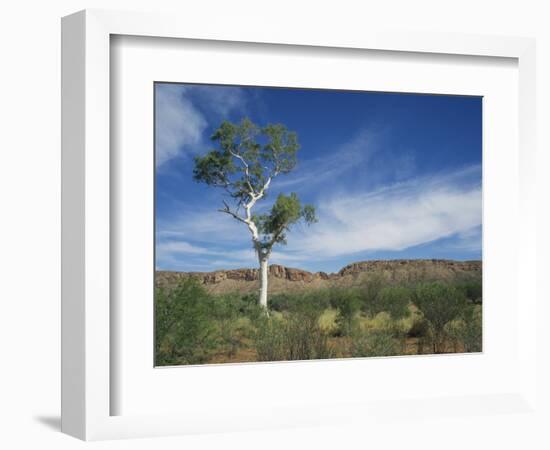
(246, 171)
(227, 210)
(277, 234)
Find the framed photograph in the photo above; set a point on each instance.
(253, 217)
(357, 233)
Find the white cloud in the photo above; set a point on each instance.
(467, 240)
(180, 247)
(180, 123)
(368, 149)
(175, 254)
(393, 218)
(221, 100)
(202, 225)
(319, 170)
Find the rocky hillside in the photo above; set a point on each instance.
(288, 279)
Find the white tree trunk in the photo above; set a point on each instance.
(263, 280)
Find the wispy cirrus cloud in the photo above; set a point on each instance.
(315, 171)
(174, 254)
(469, 240)
(180, 122)
(203, 224)
(201, 239)
(393, 218)
(368, 150)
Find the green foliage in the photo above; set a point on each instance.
(472, 290)
(289, 338)
(317, 301)
(246, 160)
(304, 337)
(246, 157)
(232, 314)
(440, 304)
(281, 147)
(347, 302)
(214, 169)
(369, 291)
(394, 300)
(286, 211)
(374, 343)
(468, 328)
(419, 328)
(309, 303)
(269, 340)
(194, 327)
(185, 328)
(296, 335)
(280, 302)
(234, 305)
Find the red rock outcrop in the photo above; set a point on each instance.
(282, 277)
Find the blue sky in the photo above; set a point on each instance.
(391, 176)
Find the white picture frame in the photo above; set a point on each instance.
(86, 286)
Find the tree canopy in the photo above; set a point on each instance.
(246, 160)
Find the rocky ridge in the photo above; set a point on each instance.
(283, 278)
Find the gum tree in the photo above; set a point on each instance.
(244, 164)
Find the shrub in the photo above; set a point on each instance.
(304, 338)
(291, 301)
(185, 331)
(468, 329)
(394, 300)
(279, 302)
(369, 290)
(419, 328)
(310, 304)
(472, 290)
(234, 305)
(249, 307)
(439, 304)
(327, 321)
(231, 313)
(376, 296)
(347, 302)
(369, 343)
(269, 340)
(295, 336)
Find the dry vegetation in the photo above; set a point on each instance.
(373, 317)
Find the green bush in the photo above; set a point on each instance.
(185, 331)
(292, 301)
(279, 302)
(296, 335)
(305, 339)
(348, 304)
(231, 313)
(370, 288)
(419, 328)
(235, 305)
(395, 301)
(472, 290)
(468, 329)
(376, 296)
(439, 304)
(370, 343)
(269, 339)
